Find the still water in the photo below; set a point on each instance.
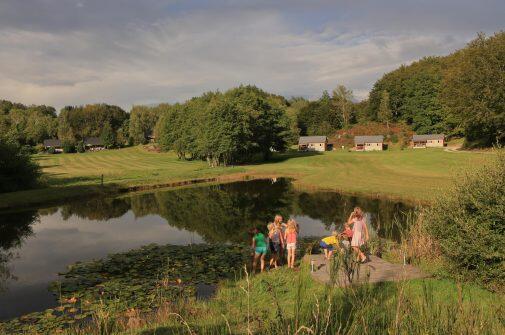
(37, 244)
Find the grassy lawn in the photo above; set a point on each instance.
(407, 174)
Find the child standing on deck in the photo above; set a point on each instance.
(259, 244)
(359, 232)
(290, 235)
(276, 243)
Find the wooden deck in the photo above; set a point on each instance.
(375, 271)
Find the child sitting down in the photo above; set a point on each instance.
(329, 244)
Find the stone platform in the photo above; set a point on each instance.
(375, 271)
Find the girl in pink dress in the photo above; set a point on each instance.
(359, 232)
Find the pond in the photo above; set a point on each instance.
(37, 244)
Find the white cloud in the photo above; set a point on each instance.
(178, 57)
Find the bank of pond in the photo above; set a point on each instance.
(141, 251)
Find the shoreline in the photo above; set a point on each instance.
(56, 195)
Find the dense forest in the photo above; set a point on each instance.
(461, 95)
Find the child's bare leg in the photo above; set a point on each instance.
(262, 261)
(362, 256)
(255, 260)
(356, 251)
(325, 253)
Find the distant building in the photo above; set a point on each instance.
(428, 141)
(53, 143)
(93, 143)
(369, 143)
(313, 143)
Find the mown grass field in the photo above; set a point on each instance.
(407, 174)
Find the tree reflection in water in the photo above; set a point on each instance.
(14, 228)
(218, 213)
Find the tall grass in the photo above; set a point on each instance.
(257, 305)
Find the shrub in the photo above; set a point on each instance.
(39, 148)
(68, 147)
(51, 150)
(17, 170)
(27, 150)
(80, 147)
(469, 225)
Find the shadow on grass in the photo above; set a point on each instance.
(281, 157)
(53, 179)
(183, 330)
(53, 195)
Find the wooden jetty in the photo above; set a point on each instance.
(375, 271)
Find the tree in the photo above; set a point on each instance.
(473, 90)
(142, 122)
(17, 170)
(342, 102)
(108, 136)
(123, 134)
(385, 115)
(78, 122)
(226, 128)
(26, 125)
(414, 95)
(319, 117)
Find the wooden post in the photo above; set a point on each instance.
(101, 181)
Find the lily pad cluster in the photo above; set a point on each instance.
(141, 279)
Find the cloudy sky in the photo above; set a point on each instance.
(124, 52)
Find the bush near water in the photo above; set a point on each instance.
(468, 224)
(17, 170)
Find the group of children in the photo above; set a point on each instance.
(282, 238)
(354, 238)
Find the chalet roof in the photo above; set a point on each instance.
(359, 140)
(52, 143)
(420, 138)
(93, 141)
(311, 139)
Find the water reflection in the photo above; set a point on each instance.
(36, 245)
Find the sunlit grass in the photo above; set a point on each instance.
(407, 174)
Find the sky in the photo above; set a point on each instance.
(126, 52)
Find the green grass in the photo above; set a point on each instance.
(291, 300)
(407, 174)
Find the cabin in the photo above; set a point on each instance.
(428, 141)
(53, 143)
(369, 143)
(93, 143)
(313, 143)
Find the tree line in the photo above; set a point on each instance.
(461, 95)
(31, 125)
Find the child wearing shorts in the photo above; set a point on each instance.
(259, 244)
(329, 244)
(290, 236)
